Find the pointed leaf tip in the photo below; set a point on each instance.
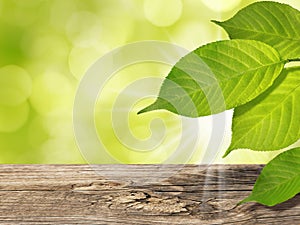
(159, 104)
(228, 151)
(246, 200)
(226, 154)
(216, 22)
(147, 109)
(141, 112)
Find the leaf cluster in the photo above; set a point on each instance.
(249, 73)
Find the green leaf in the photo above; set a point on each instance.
(218, 76)
(279, 180)
(273, 23)
(271, 121)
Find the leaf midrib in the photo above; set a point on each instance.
(284, 183)
(264, 33)
(233, 77)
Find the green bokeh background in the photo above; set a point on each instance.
(47, 45)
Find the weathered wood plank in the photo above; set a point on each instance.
(119, 194)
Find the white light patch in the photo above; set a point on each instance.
(162, 13)
(221, 5)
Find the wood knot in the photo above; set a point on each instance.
(148, 203)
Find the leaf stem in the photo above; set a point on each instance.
(294, 60)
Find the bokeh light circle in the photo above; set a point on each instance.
(162, 13)
(15, 85)
(221, 5)
(52, 93)
(84, 29)
(12, 118)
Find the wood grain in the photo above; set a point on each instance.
(128, 194)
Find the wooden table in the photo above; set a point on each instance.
(125, 194)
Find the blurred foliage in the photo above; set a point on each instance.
(47, 45)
